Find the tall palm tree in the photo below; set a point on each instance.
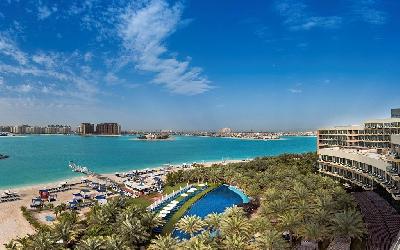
(65, 232)
(150, 220)
(59, 209)
(300, 191)
(164, 242)
(213, 221)
(43, 241)
(234, 211)
(235, 225)
(270, 240)
(348, 224)
(289, 221)
(313, 232)
(191, 225)
(92, 243)
(115, 242)
(133, 232)
(235, 242)
(196, 243)
(13, 245)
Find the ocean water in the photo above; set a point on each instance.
(43, 159)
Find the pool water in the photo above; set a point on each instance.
(215, 201)
(49, 218)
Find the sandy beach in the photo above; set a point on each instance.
(14, 225)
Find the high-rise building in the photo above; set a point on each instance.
(86, 128)
(395, 113)
(108, 129)
(365, 156)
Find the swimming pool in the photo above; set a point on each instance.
(215, 201)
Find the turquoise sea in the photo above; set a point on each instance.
(43, 159)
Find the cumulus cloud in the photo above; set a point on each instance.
(144, 29)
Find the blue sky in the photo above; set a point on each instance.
(262, 65)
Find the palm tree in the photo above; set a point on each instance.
(234, 211)
(65, 232)
(300, 191)
(213, 221)
(164, 242)
(13, 245)
(196, 243)
(347, 224)
(191, 225)
(235, 225)
(133, 232)
(313, 232)
(92, 243)
(150, 220)
(289, 221)
(43, 240)
(58, 209)
(235, 242)
(115, 242)
(270, 240)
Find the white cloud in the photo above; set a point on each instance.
(47, 60)
(144, 30)
(44, 11)
(296, 16)
(112, 79)
(10, 49)
(366, 10)
(24, 88)
(295, 91)
(88, 56)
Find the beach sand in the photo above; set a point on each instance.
(14, 225)
(12, 222)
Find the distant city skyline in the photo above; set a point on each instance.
(199, 65)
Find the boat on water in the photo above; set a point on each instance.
(3, 157)
(78, 168)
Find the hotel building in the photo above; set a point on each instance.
(108, 129)
(86, 128)
(365, 156)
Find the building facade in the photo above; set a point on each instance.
(108, 129)
(395, 113)
(365, 156)
(86, 128)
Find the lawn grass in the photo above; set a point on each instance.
(170, 189)
(142, 201)
(169, 226)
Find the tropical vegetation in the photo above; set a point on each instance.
(294, 200)
(293, 203)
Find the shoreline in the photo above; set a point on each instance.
(14, 225)
(55, 182)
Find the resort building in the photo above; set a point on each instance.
(395, 113)
(365, 156)
(108, 129)
(86, 128)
